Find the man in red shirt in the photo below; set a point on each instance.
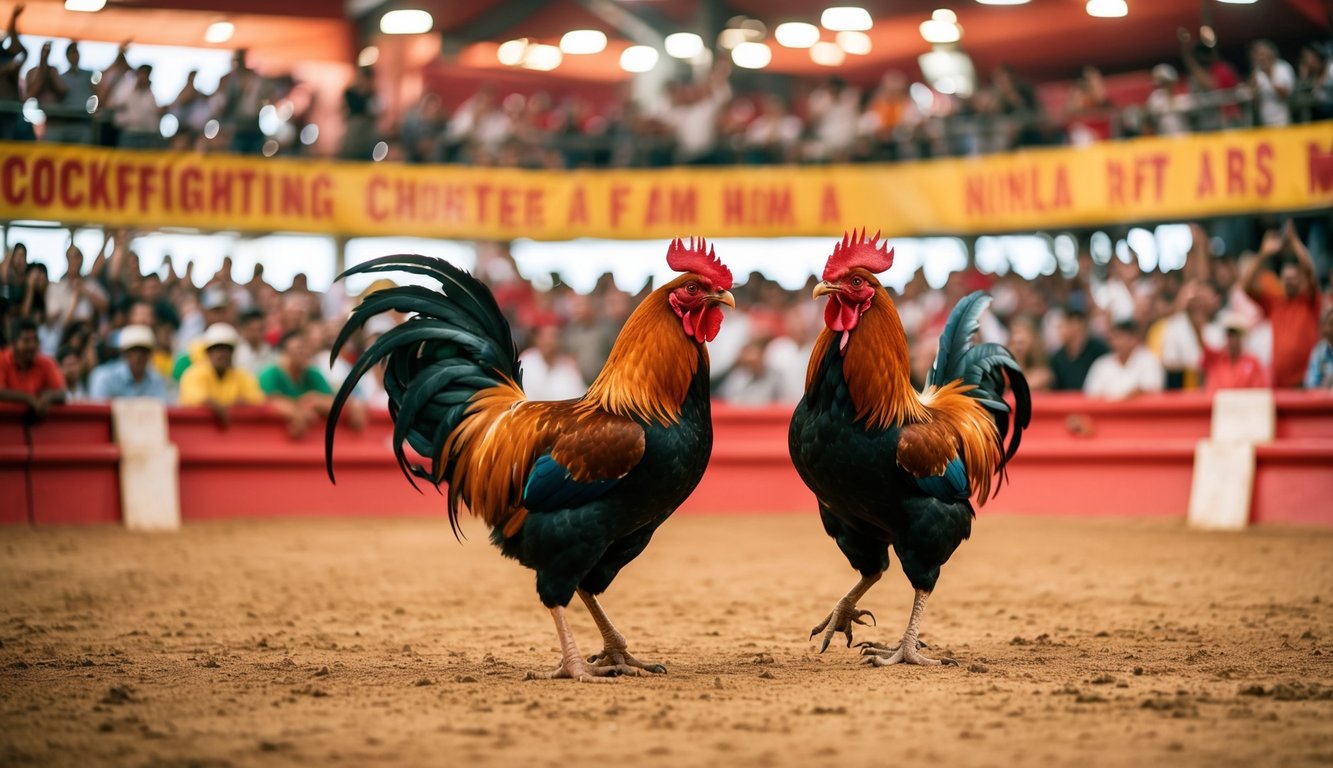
(1291, 303)
(27, 376)
(1232, 367)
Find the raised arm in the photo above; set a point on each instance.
(1249, 280)
(1292, 242)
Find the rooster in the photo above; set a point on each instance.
(572, 489)
(891, 466)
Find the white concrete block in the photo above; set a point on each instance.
(1223, 485)
(139, 422)
(149, 492)
(1244, 415)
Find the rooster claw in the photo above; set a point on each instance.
(624, 663)
(841, 620)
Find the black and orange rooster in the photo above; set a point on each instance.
(571, 489)
(891, 466)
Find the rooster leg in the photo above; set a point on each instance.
(845, 613)
(615, 651)
(572, 665)
(906, 651)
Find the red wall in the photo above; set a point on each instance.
(1128, 459)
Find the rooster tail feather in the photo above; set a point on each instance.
(455, 342)
(990, 370)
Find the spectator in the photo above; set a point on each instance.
(138, 116)
(1319, 373)
(74, 297)
(1291, 303)
(772, 137)
(549, 373)
(1211, 82)
(74, 126)
(26, 375)
(835, 109)
(1025, 346)
(132, 375)
(74, 369)
(1167, 119)
(1231, 367)
(1090, 112)
(1018, 102)
(253, 353)
(751, 381)
(44, 82)
(1273, 81)
(694, 114)
(1192, 319)
(191, 108)
(1314, 88)
(360, 112)
(1080, 349)
(1127, 370)
(214, 382)
(295, 389)
(240, 95)
(588, 337)
(12, 58)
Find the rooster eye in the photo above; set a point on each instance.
(692, 288)
(857, 282)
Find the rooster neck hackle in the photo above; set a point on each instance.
(649, 370)
(876, 366)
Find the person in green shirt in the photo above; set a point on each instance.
(294, 388)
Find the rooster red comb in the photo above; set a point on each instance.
(856, 251)
(701, 259)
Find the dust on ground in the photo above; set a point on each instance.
(383, 642)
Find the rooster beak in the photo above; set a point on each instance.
(824, 288)
(724, 297)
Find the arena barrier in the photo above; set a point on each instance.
(1080, 457)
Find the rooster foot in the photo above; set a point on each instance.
(619, 658)
(842, 618)
(576, 669)
(882, 655)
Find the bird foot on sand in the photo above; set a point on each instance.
(620, 659)
(879, 655)
(841, 620)
(576, 669)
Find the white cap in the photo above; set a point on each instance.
(132, 336)
(1165, 72)
(220, 334)
(1232, 321)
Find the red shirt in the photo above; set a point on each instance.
(1295, 332)
(42, 375)
(1221, 372)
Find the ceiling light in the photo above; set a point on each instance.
(942, 28)
(1107, 9)
(638, 58)
(1238, 2)
(86, 6)
(406, 22)
(827, 54)
(684, 45)
(752, 55)
(542, 58)
(368, 56)
(846, 19)
(510, 53)
(855, 43)
(796, 34)
(583, 41)
(1004, 2)
(219, 32)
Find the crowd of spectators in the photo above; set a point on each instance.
(105, 329)
(696, 120)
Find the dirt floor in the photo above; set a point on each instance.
(385, 642)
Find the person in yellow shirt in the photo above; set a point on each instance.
(214, 382)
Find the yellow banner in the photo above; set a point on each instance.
(1147, 180)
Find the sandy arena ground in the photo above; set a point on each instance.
(384, 642)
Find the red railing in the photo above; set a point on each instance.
(1080, 457)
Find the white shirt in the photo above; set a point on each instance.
(1162, 106)
(695, 124)
(1273, 108)
(1180, 348)
(136, 110)
(560, 380)
(789, 362)
(1108, 379)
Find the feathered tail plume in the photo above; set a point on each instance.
(455, 343)
(985, 367)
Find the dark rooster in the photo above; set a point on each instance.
(891, 466)
(572, 489)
